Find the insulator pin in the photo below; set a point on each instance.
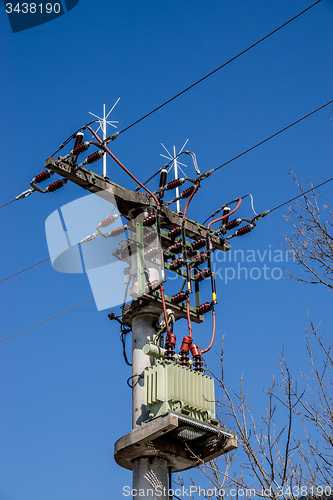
(150, 220)
(46, 174)
(204, 308)
(108, 220)
(117, 231)
(244, 230)
(233, 223)
(202, 257)
(55, 185)
(176, 264)
(174, 184)
(176, 247)
(175, 231)
(187, 192)
(201, 275)
(178, 297)
(196, 244)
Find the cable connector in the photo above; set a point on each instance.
(111, 138)
(26, 193)
(260, 216)
(206, 174)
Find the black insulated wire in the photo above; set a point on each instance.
(220, 67)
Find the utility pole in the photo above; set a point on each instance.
(174, 427)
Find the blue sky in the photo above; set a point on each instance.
(64, 396)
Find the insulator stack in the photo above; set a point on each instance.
(150, 287)
(151, 252)
(231, 224)
(78, 141)
(187, 192)
(150, 220)
(197, 357)
(55, 185)
(94, 157)
(201, 275)
(149, 236)
(163, 178)
(176, 247)
(80, 148)
(170, 343)
(244, 230)
(175, 231)
(204, 308)
(117, 231)
(176, 264)
(174, 184)
(184, 350)
(108, 220)
(196, 244)
(199, 259)
(46, 174)
(178, 297)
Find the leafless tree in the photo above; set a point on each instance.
(311, 241)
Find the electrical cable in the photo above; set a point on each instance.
(59, 314)
(259, 216)
(220, 67)
(270, 137)
(213, 335)
(122, 166)
(226, 215)
(8, 202)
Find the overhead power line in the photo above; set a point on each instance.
(59, 314)
(263, 214)
(211, 172)
(220, 67)
(273, 135)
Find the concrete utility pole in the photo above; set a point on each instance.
(174, 426)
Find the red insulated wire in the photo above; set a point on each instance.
(226, 215)
(213, 334)
(122, 166)
(190, 198)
